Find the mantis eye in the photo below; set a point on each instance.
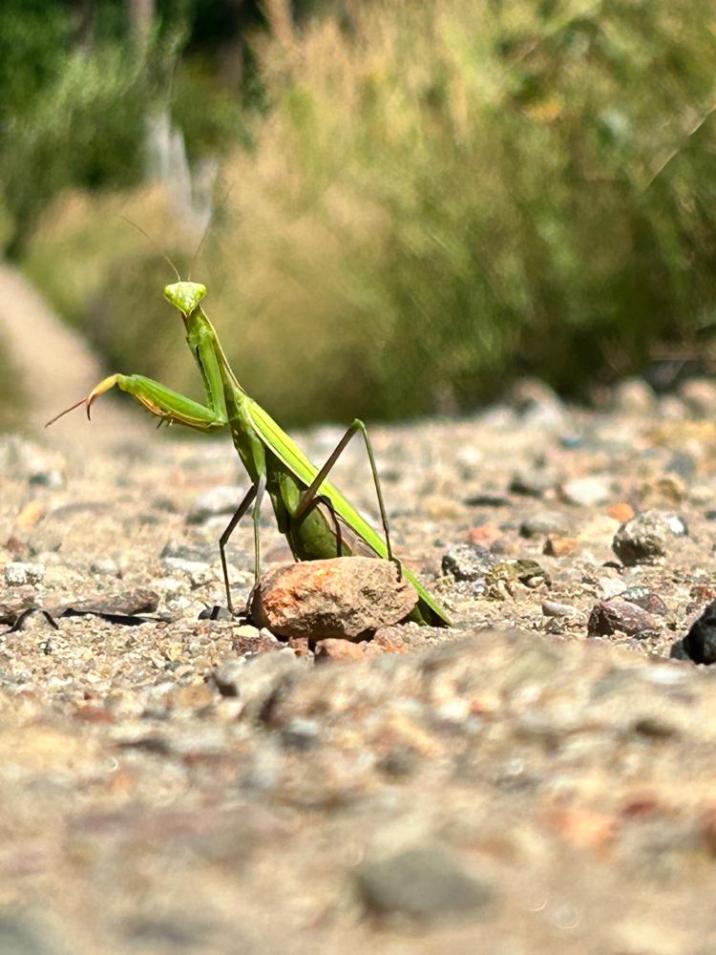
(185, 295)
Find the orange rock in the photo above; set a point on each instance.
(343, 651)
(621, 511)
(584, 828)
(557, 546)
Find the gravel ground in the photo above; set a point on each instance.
(538, 779)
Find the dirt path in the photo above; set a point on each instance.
(538, 780)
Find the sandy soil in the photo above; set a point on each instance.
(518, 785)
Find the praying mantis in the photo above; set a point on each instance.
(316, 519)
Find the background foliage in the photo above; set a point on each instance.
(416, 202)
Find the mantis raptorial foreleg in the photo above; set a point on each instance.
(159, 400)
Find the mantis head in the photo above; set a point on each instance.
(185, 295)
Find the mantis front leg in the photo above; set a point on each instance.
(166, 404)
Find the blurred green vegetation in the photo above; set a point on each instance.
(417, 202)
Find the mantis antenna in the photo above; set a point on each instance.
(198, 249)
(156, 245)
(205, 233)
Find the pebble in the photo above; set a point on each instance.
(646, 599)
(699, 644)
(645, 538)
(222, 499)
(634, 396)
(699, 396)
(340, 598)
(52, 478)
(556, 546)
(532, 483)
(343, 651)
(537, 404)
(18, 573)
(105, 565)
(618, 614)
(424, 883)
(543, 523)
(665, 491)
(301, 733)
(468, 561)
(553, 608)
(587, 491)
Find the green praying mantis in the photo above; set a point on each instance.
(316, 519)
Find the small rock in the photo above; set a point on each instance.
(672, 409)
(222, 499)
(424, 883)
(556, 546)
(645, 538)
(537, 404)
(683, 465)
(533, 483)
(586, 491)
(343, 651)
(665, 491)
(487, 500)
(301, 733)
(105, 565)
(646, 599)
(699, 396)
(256, 679)
(617, 614)
(216, 613)
(227, 677)
(545, 522)
(620, 511)
(18, 573)
(44, 541)
(468, 561)
(634, 396)
(179, 550)
(301, 646)
(552, 608)
(51, 478)
(699, 644)
(129, 602)
(342, 598)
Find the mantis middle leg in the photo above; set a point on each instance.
(254, 495)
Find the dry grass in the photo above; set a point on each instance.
(445, 195)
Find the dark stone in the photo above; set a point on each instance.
(699, 644)
(424, 883)
(617, 614)
(645, 538)
(488, 500)
(533, 483)
(543, 523)
(468, 561)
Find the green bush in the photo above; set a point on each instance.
(447, 194)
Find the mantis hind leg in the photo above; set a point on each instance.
(311, 495)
